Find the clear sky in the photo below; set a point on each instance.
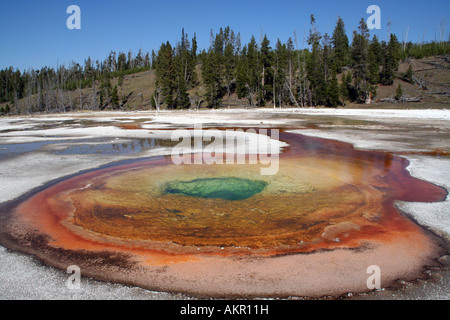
(34, 32)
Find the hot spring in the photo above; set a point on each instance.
(225, 230)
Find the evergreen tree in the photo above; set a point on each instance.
(122, 61)
(314, 66)
(374, 62)
(290, 51)
(213, 68)
(212, 79)
(256, 71)
(229, 66)
(374, 57)
(340, 45)
(345, 86)
(120, 80)
(101, 99)
(153, 60)
(409, 75)
(359, 52)
(399, 92)
(183, 101)
(391, 61)
(184, 63)
(105, 89)
(241, 74)
(266, 70)
(147, 62)
(281, 69)
(166, 74)
(333, 92)
(194, 48)
(114, 97)
(186, 60)
(253, 76)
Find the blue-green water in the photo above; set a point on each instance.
(227, 188)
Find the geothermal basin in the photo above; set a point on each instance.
(224, 230)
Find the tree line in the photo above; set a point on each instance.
(51, 89)
(331, 71)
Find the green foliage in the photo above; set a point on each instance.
(374, 57)
(101, 99)
(166, 74)
(340, 45)
(255, 71)
(114, 97)
(345, 86)
(212, 79)
(333, 92)
(120, 81)
(314, 66)
(399, 92)
(360, 61)
(422, 50)
(182, 101)
(409, 75)
(391, 55)
(241, 74)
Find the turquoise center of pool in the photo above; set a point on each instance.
(226, 188)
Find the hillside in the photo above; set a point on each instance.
(430, 88)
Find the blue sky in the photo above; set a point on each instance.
(34, 33)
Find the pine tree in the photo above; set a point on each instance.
(399, 92)
(314, 66)
(253, 75)
(266, 71)
(193, 81)
(241, 74)
(120, 80)
(340, 45)
(101, 99)
(212, 79)
(290, 51)
(105, 89)
(359, 52)
(185, 60)
(122, 61)
(374, 62)
(333, 92)
(182, 101)
(114, 97)
(280, 70)
(194, 47)
(166, 74)
(229, 60)
(153, 62)
(345, 86)
(409, 74)
(147, 62)
(374, 57)
(391, 61)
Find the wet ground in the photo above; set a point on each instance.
(36, 150)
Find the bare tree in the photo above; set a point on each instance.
(196, 100)
(157, 99)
